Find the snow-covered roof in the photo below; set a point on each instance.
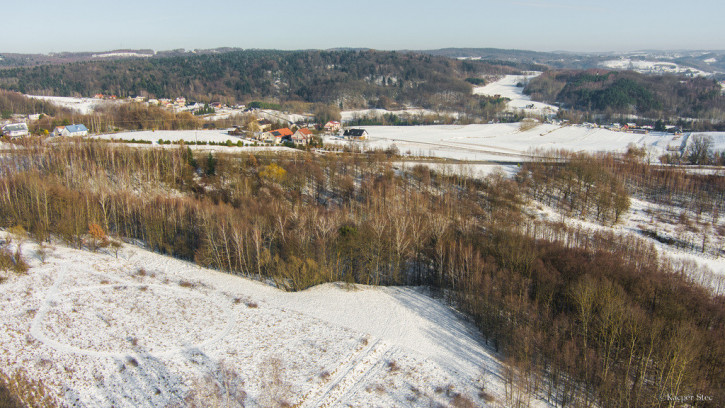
(14, 127)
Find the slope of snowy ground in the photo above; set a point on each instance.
(506, 87)
(645, 216)
(141, 329)
(506, 141)
(83, 106)
(665, 221)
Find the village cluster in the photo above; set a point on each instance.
(301, 137)
(300, 130)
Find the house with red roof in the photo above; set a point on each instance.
(277, 136)
(333, 126)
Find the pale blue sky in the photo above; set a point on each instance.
(44, 26)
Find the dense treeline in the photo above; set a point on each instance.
(351, 79)
(585, 318)
(627, 92)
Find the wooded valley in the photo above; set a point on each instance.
(584, 316)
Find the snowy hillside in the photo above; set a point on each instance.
(144, 330)
(507, 88)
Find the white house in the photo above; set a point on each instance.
(302, 137)
(356, 134)
(15, 130)
(70, 130)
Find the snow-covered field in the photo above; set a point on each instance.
(83, 106)
(490, 142)
(506, 87)
(192, 136)
(506, 141)
(651, 67)
(216, 136)
(141, 329)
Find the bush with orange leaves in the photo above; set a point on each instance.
(98, 237)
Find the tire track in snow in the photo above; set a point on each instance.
(371, 372)
(346, 376)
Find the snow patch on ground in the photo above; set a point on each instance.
(122, 54)
(349, 115)
(462, 169)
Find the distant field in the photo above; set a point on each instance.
(506, 142)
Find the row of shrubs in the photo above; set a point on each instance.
(227, 143)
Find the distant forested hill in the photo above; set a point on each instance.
(654, 96)
(351, 78)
